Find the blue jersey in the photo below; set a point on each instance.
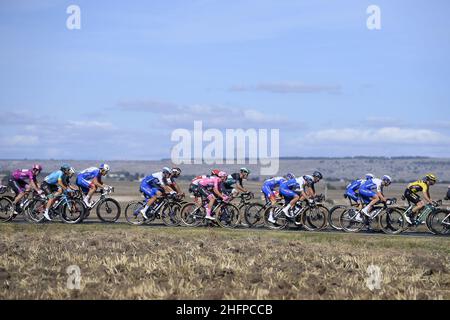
(274, 182)
(54, 177)
(90, 173)
(372, 185)
(355, 184)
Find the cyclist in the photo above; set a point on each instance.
(55, 184)
(353, 187)
(317, 176)
(215, 172)
(411, 193)
(209, 188)
(268, 189)
(294, 190)
(372, 191)
(20, 186)
(154, 185)
(175, 173)
(90, 179)
(233, 184)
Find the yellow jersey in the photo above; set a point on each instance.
(418, 186)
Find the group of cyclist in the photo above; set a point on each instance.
(207, 189)
(88, 181)
(368, 191)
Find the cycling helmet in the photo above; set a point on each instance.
(166, 170)
(71, 171)
(176, 171)
(309, 179)
(430, 177)
(37, 167)
(65, 167)
(104, 167)
(369, 176)
(215, 172)
(290, 176)
(387, 179)
(245, 170)
(317, 175)
(222, 174)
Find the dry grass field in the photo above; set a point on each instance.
(125, 262)
(118, 261)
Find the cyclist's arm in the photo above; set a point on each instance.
(427, 196)
(240, 188)
(177, 188)
(167, 189)
(381, 196)
(34, 185)
(61, 184)
(97, 182)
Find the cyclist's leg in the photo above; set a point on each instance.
(87, 188)
(368, 194)
(414, 199)
(18, 186)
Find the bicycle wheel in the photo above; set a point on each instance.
(351, 220)
(35, 211)
(281, 221)
(133, 213)
(228, 216)
(72, 211)
(108, 210)
(439, 222)
(192, 215)
(254, 215)
(6, 209)
(391, 221)
(170, 214)
(315, 218)
(334, 215)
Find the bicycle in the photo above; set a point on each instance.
(336, 211)
(107, 208)
(5, 205)
(23, 205)
(438, 220)
(243, 205)
(166, 208)
(312, 216)
(227, 214)
(70, 209)
(354, 220)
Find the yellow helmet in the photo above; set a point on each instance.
(431, 177)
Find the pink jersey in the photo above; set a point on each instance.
(197, 179)
(213, 182)
(23, 174)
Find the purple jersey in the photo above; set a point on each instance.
(23, 175)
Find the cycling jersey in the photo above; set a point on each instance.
(269, 186)
(418, 186)
(287, 188)
(156, 179)
(54, 177)
(197, 179)
(352, 187)
(369, 189)
(232, 179)
(90, 173)
(23, 175)
(210, 182)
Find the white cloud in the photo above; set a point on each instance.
(19, 140)
(378, 136)
(90, 125)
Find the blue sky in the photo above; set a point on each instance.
(137, 70)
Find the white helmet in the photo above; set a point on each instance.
(71, 171)
(104, 167)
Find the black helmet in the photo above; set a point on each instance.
(317, 175)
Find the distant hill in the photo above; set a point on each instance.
(400, 168)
